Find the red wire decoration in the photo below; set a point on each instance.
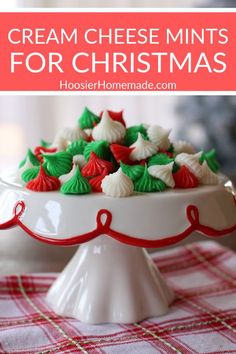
(192, 214)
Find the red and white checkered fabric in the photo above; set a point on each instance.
(201, 320)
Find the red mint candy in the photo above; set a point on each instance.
(185, 178)
(121, 153)
(96, 166)
(90, 138)
(96, 183)
(43, 182)
(143, 162)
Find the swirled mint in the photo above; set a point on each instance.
(77, 147)
(77, 184)
(30, 174)
(88, 119)
(147, 183)
(58, 164)
(210, 158)
(43, 182)
(162, 159)
(131, 134)
(101, 149)
(31, 157)
(159, 159)
(133, 172)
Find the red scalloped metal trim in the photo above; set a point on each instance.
(192, 214)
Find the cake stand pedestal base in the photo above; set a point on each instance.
(108, 281)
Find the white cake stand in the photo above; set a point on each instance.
(111, 278)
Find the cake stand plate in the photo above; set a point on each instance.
(108, 281)
(111, 278)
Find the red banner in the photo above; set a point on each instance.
(118, 51)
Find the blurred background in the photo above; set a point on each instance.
(117, 3)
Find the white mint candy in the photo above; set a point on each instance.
(198, 155)
(64, 178)
(183, 146)
(191, 162)
(73, 134)
(142, 149)
(164, 173)
(117, 185)
(208, 176)
(79, 160)
(159, 136)
(66, 136)
(108, 129)
(59, 142)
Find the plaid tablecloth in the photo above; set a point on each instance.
(202, 318)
